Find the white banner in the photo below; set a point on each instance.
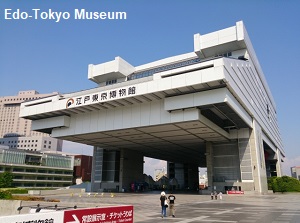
(49, 217)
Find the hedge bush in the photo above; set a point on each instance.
(284, 184)
(17, 190)
(5, 194)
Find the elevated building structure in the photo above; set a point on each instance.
(208, 108)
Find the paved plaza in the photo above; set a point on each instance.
(272, 208)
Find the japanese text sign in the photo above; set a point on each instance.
(100, 215)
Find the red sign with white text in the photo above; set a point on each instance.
(119, 214)
(235, 192)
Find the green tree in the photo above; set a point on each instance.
(281, 184)
(272, 185)
(284, 184)
(292, 184)
(6, 179)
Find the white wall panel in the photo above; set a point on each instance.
(127, 117)
(101, 120)
(164, 84)
(109, 120)
(193, 77)
(165, 117)
(54, 122)
(145, 114)
(212, 74)
(142, 88)
(42, 108)
(155, 107)
(179, 102)
(86, 127)
(94, 121)
(227, 35)
(178, 81)
(210, 97)
(136, 115)
(71, 129)
(118, 118)
(153, 85)
(176, 116)
(78, 124)
(190, 114)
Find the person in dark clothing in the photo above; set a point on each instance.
(216, 195)
(172, 205)
(163, 200)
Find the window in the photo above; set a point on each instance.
(110, 82)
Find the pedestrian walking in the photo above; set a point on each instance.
(163, 203)
(172, 205)
(212, 195)
(221, 195)
(216, 195)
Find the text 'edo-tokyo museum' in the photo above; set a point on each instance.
(208, 108)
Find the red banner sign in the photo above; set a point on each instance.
(235, 192)
(119, 214)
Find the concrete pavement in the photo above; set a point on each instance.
(272, 208)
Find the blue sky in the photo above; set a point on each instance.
(49, 56)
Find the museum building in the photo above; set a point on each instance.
(208, 108)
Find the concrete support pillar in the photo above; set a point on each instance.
(243, 136)
(96, 177)
(278, 163)
(209, 165)
(131, 168)
(258, 159)
(193, 177)
(187, 175)
(121, 181)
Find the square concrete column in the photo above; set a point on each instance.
(278, 164)
(209, 165)
(258, 159)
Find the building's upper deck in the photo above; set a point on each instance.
(223, 64)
